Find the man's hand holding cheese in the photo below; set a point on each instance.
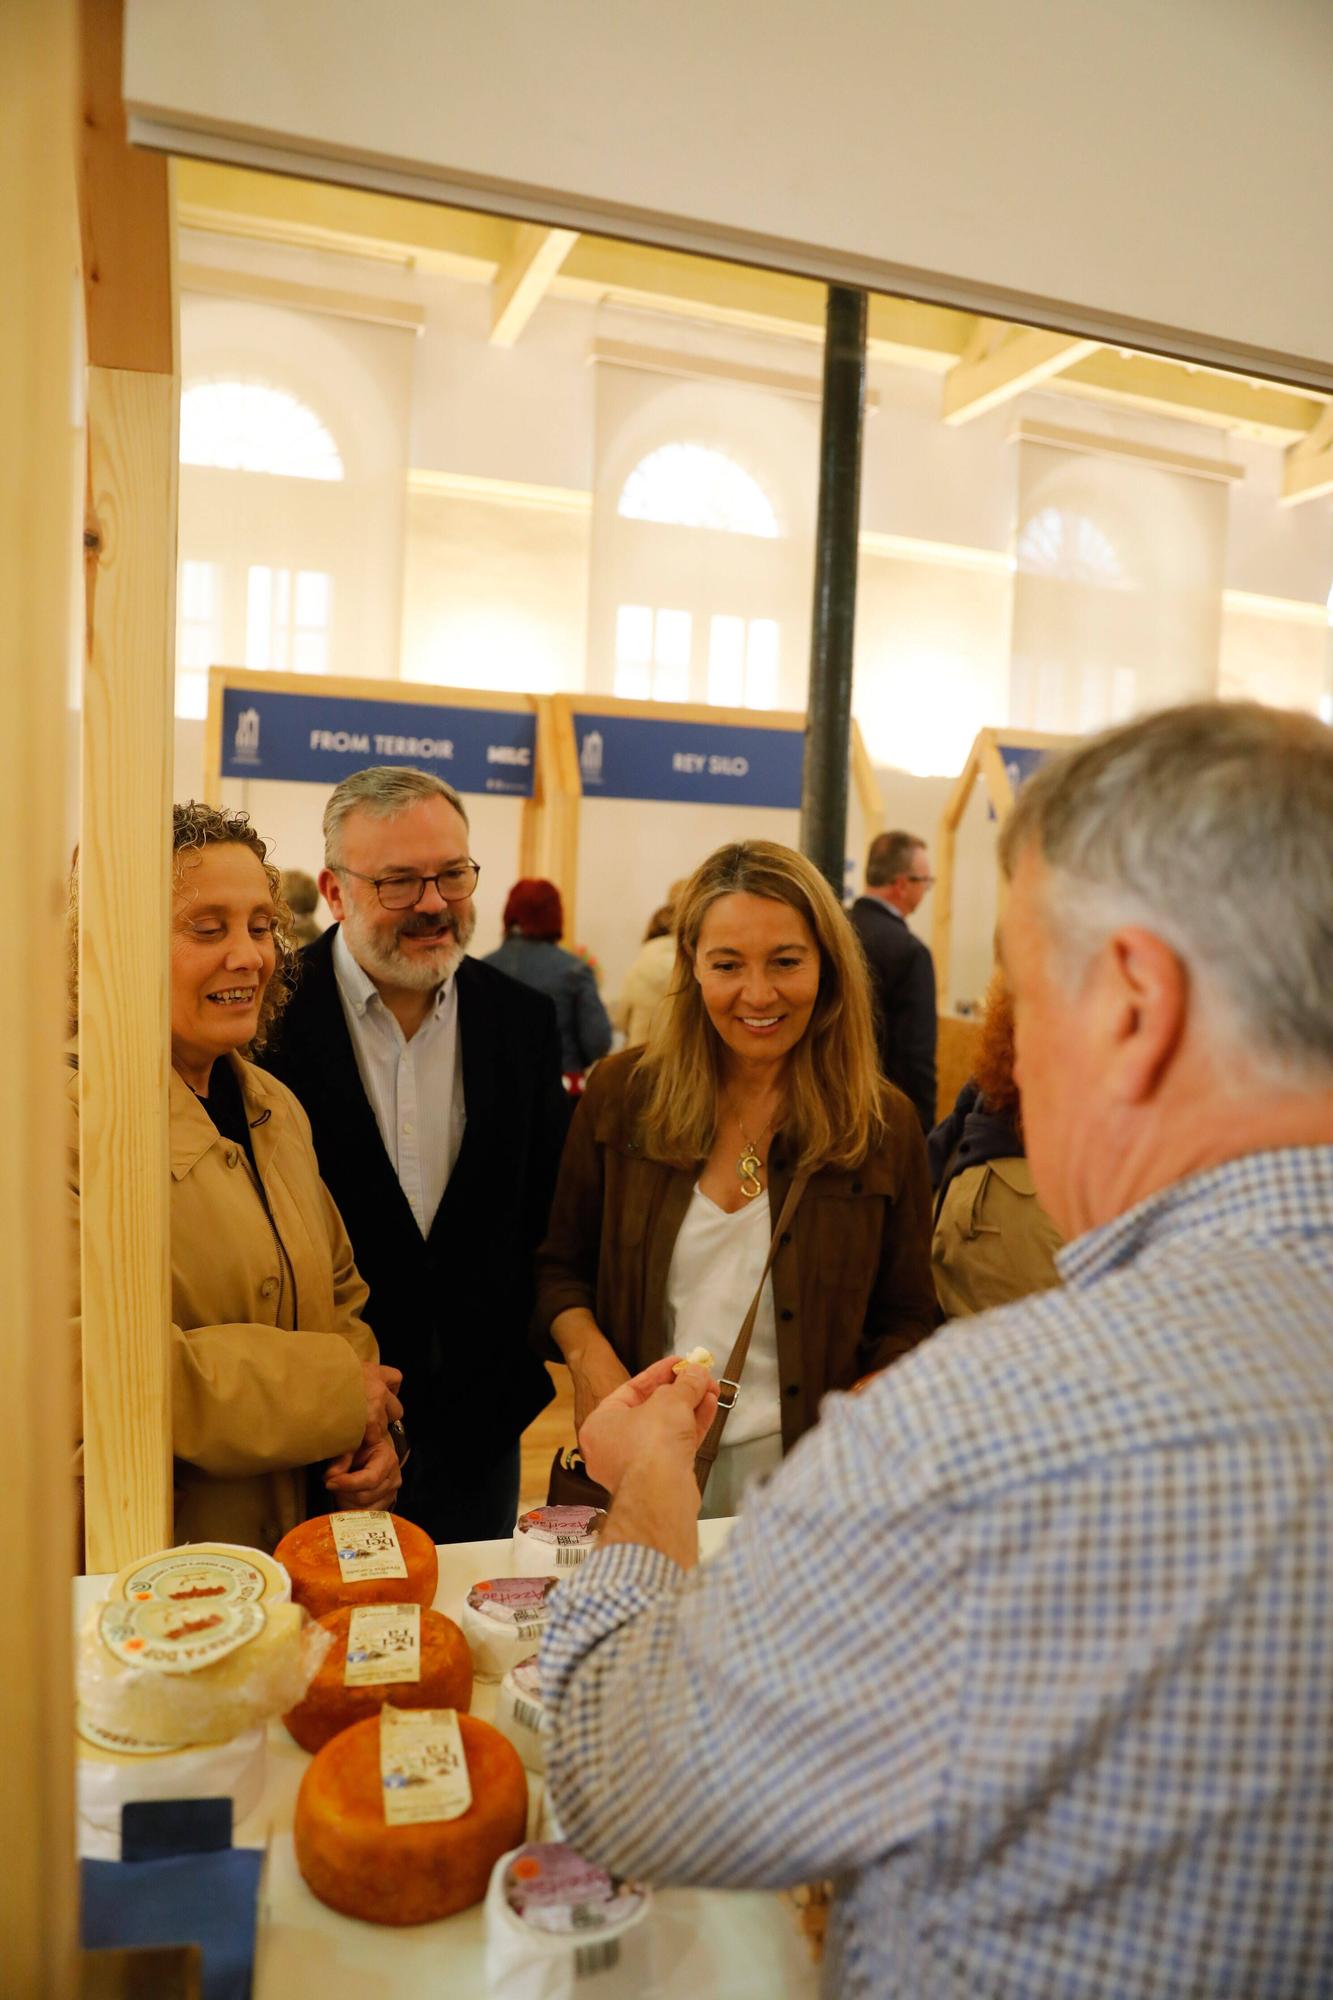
(640, 1442)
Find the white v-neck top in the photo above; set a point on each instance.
(715, 1268)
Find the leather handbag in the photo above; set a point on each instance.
(572, 1485)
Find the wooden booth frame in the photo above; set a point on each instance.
(984, 761)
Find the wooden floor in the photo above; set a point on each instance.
(553, 1428)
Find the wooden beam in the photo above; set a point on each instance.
(1197, 395)
(522, 280)
(133, 401)
(1001, 362)
(374, 309)
(1307, 473)
(39, 489)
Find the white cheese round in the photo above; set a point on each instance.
(554, 1920)
(555, 1538)
(520, 1713)
(115, 1770)
(204, 1573)
(503, 1620)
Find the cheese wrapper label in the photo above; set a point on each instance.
(182, 1578)
(367, 1546)
(554, 1889)
(177, 1638)
(561, 1526)
(383, 1645)
(423, 1767)
(117, 1742)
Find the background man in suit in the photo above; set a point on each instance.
(432, 1083)
(897, 877)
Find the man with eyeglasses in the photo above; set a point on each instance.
(432, 1084)
(901, 967)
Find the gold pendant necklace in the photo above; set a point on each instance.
(749, 1165)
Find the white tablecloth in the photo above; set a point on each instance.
(736, 1944)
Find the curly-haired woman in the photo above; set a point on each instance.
(272, 1367)
(760, 1068)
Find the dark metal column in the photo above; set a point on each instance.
(829, 706)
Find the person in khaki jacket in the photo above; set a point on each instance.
(993, 1240)
(272, 1367)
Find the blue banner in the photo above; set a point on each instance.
(697, 763)
(318, 739)
(1020, 760)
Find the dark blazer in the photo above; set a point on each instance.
(452, 1309)
(903, 973)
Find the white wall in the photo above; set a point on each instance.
(1122, 168)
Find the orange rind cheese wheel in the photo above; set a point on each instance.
(329, 1707)
(405, 1874)
(309, 1557)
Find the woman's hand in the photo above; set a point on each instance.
(370, 1476)
(382, 1405)
(595, 1368)
(660, 1413)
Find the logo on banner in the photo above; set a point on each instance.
(245, 743)
(590, 758)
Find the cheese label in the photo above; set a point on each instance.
(383, 1645)
(423, 1768)
(180, 1578)
(561, 1526)
(554, 1889)
(117, 1742)
(528, 1678)
(367, 1545)
(520, 1601)
(177, 1638)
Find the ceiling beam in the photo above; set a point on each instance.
(522, 280)
(1000, 362)
(1197, 395)
(1307, 473)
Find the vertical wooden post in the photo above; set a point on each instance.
(39, 491)
(133, 400)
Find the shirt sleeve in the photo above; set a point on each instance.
(785, 1711)
(592, 1023)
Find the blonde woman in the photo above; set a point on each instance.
(761, 1067)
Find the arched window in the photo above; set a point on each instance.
(1059, 543)
(693, 486)
(251, 427)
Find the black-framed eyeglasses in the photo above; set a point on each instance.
(403, 892)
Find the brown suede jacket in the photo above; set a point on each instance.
(852, 1284)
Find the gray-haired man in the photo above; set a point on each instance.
(432, 1084)
(1027, 1646)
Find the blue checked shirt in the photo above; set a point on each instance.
(1028, 1647)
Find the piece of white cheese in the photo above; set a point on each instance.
(520, 1713)
(204, 1573)
(554, 1919)
(184, 1674)
(503, 1620)
(555, 1538)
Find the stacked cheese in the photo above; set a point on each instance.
(552, 1538)
(520, 1713)
(359, 1558)
(114, 1771)
(382, 1653)
(503, 1619)
(373, 1841)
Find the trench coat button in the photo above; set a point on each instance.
(792, 1389)
(786, 1236)
(786, 1313)
(856, 1187)
(232, 1156)
(268, 1289)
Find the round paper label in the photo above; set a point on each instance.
(178, 1638)
(513, 1600)
(553, 1888)
(561, 1524)
(181, 1578)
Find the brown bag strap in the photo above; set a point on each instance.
(731, 1377)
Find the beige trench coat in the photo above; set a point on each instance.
(267, 1338)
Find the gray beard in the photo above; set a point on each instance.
(396, 968)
